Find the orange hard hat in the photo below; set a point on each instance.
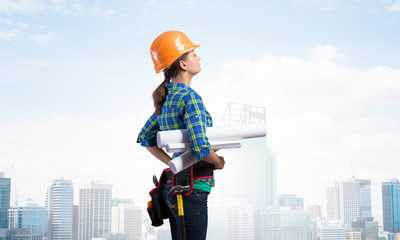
(168, 47)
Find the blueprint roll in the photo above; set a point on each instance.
(182, 162)
(214, 134)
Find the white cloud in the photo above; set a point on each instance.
(21, 6)
(43, 38)
(325, 52)
(190, 4)
(59, 6)
(394, 7)
(39, 63)
(7, 35)
(97, 11)
(322, 4)
(19, 30)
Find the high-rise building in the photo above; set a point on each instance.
(314, 211)
(31, 216)
(127, 219)
(347, 200)
(254, 161)
(365, 198)
(391, 205)
(315, 214)
(294, 224)
(59, 202)
(5, 193)
(231, 219)
(75, 222)
(94, 210)
(291, 200)
(332, 205)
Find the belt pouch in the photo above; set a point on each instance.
(156, 208)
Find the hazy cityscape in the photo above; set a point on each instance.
(239, 211)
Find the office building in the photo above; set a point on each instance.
(31, 216)
(127, 220)
(268, 222)
(367, 227)
(112, 236)
(391, 205)
(59, 202)
(94, 210)
(291, 201)
(365, 197)
(347, 200)
(354, 235)
(314, 211)
(332, 232)
(5, 193)
(18, 234)
(332, 205)
(294, 224)
(75, 222)
(284, 224)
(230, 219)
(117, 201)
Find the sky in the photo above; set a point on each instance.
(76, 79)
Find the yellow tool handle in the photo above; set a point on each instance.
(180, 204)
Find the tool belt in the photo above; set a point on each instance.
(157, 208)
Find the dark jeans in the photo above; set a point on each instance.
(195, 211)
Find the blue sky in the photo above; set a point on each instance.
(76, 79)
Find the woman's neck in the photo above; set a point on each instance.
(183, 77)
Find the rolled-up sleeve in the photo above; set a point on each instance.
(148, 135)
(195, 119)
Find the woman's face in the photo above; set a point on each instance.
(193, 63)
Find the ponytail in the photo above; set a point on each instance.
(160, 94)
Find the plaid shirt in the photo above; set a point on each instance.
(183, 109)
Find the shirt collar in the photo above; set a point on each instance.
(176, 86)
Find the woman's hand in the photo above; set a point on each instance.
(213, 158)
(220, 164)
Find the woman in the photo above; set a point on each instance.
(177, 106)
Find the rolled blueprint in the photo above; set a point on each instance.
(214, 134)
(222, 137)
(184, 147)
(187, 159)
(182, 162)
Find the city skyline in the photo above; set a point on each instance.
(76, 83)
(290, 220)
(286, 198)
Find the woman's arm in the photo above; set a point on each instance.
(213, 158)
(160, 154)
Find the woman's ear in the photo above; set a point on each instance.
(182, 64)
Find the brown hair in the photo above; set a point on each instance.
(170, 72)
